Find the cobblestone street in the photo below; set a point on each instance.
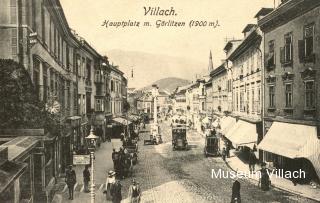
(176, 176)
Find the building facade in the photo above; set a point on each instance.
(69, 75)
(292, 59)
(219, 90)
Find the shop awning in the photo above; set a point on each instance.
(293, 141)
(226, 123)
(121, 121)
(243, 134)
(288, 140)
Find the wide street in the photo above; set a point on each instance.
(175, 176)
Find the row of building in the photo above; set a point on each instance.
(80, 84)
(265, 93)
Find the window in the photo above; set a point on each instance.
(271, 96)
(271, 57)
(288, 94)
(252, 62)
(13, 11)
(112, 86)
(241, 100)
(67, 57)
(14, 42)
(287, 48)
(43, 23)
(55, 41)
(248, 99)
(34, 24)
(258, 99)
(308, 39)
(88, 70)
(99, 105)
(309, 95)
(252, 100)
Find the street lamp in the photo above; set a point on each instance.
(92, 138)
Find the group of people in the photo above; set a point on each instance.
(113, 189)
(122, 162)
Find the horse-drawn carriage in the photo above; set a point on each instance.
(131, 147)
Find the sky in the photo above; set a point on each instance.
(87, 17)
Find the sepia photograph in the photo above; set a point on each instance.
(159, 101)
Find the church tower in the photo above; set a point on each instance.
(210, 66)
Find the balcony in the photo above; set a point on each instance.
(99, 78)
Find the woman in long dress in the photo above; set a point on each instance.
(109, 183)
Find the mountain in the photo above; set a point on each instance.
(148, 67)
(168, 84)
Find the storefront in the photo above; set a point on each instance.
(288, 146)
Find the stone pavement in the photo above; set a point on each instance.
(235, 163)
(103, 163)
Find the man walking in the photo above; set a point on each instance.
(236, 198)
(115, 158)
(252, 161)
(86, 178)
(228, 150)
(71, 180)
(224, 154)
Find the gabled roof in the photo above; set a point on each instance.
(219, 70)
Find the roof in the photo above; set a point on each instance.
(263, 12)
(230, 44)
(251, 39)
(290, 9)
(248, 28)
(219, 70)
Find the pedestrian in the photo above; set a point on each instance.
(111, 179)
(134, 194)
(228, 150)
(71, 180)
(224, 154)
(252, 161)
(236, 198)
(86, 178)
(264, 181)
(116, 192)
(115, 158)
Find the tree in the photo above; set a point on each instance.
(20, 106)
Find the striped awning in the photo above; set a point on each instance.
(243, 134)
(293, 141)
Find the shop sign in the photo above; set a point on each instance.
(81, 159)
